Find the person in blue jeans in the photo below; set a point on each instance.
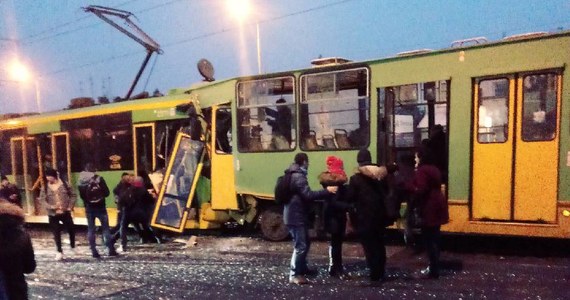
(93, 190)
(296, 216)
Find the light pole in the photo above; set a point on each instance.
(241, 9)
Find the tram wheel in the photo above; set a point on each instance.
(272, 226)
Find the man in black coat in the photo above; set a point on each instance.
(16, 252)
(296, 216)
(367, 189)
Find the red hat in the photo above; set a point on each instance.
(335, 165)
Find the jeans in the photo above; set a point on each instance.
(432, 236)
(301, 245)
(67, 221)
(104, 220)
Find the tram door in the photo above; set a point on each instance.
(515, 147)
(223, 171)
(144, 150)
(61, 157)
(25, 169)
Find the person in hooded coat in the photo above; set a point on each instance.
(336, 207)
(16, 252)
(367, 189)
(430, 206)
(296, 217)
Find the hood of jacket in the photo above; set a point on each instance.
(295, 168)
(85, 176)
(373, 171)
(11, 215)
(328, 178)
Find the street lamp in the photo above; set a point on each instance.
(241, 9)
(20, 73)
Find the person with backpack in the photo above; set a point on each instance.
(16, 252)
(93, 190)
(367, 189)
(60, 201)
(336, 208)
(296, 216)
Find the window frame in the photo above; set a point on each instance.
(293, 108)
(304, 102)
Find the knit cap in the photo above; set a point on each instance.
(335, 165)
(363, 157)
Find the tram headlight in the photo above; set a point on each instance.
(566, 213)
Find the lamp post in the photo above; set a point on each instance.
(20, 73)
(241, 9)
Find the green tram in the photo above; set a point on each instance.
(501, 106)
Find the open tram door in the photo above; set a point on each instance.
(179, 185)
(516, 147)
(25, 158)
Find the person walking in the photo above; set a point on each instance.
(431, 208)
(93, 190)
(60, 201)
(336, 208)
(296, 217)
(16, 252)
(367, 189)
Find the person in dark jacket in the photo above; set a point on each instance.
(95, 209)
(431, 206)
(138, 210)
(403, 176)
(367, 189)
(16, 252)
(296, 216)
(10, 191)
(336, 208)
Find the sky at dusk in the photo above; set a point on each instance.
(72, 53)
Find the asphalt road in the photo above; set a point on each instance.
(247, 267)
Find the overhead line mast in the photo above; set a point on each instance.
(138, 35)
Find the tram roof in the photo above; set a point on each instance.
(184, 95)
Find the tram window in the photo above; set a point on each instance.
(417, 110)
(493, 111)
(224, 131)
(105, 141)
(266, 115)
(540, 99)
(335, 110)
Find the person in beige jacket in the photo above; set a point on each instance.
(60, 201)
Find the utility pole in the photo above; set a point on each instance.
(138, 35)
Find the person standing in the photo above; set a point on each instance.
(367, 189)
(93, 190)
(431, 208)
(16, 252)
(336, 208)
(296, 216)
(10, 191)
(60, 202)
(122, 195)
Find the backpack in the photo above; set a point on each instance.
(283, 192)
(94, 193)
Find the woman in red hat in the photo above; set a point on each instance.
(336, 208)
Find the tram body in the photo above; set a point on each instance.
(501, 105)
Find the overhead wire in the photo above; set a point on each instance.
(198, 37)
